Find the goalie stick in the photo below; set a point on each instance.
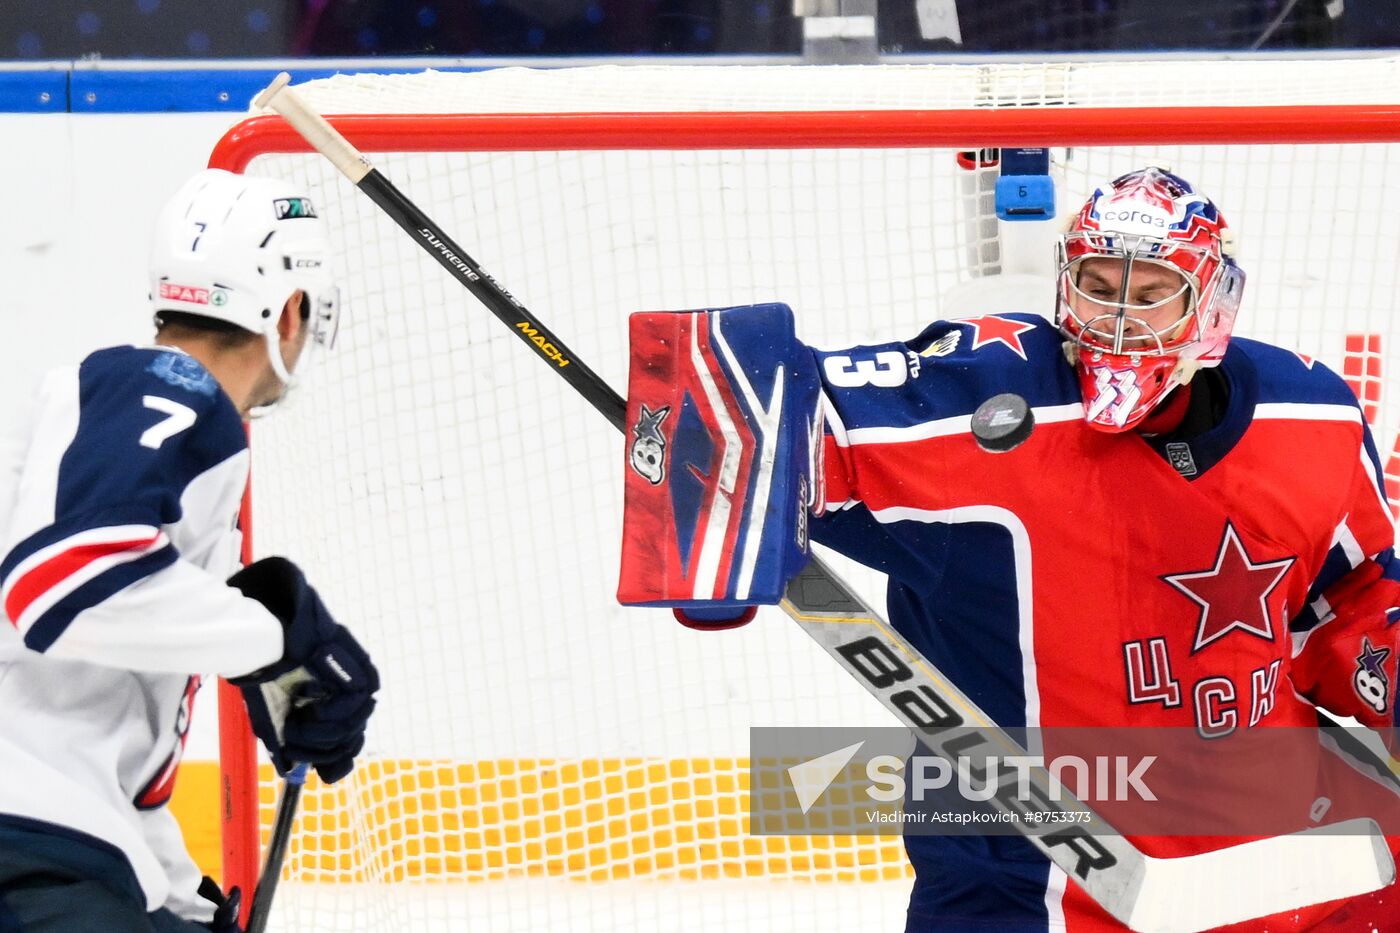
(1147, 894)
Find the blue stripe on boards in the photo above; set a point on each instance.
(82, 88)
(34, 91)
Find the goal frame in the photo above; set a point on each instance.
(1045, 125)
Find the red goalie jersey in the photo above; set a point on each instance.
(1222, 583)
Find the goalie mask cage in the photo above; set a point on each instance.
(543, 759)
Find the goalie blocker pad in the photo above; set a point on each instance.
(723, 435)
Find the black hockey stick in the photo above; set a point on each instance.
(1145, 893)
(277, 849)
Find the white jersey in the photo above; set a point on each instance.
(118, 529)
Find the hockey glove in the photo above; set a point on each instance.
(226, 908)
(723, 465)
(314, 703)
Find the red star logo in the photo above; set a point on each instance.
(989, 328)
(1234, 593)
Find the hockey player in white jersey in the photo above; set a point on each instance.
(118, 533)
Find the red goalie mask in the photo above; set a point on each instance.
(1148, 292)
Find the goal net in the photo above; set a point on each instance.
(543, 759)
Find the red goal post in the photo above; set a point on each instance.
(833, 129)
(1362, 346)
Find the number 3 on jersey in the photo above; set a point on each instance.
(887, 369)
(178, 418)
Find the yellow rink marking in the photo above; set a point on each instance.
(588, 820)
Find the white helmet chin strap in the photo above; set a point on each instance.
(279, 369)
(320, 317)
(272, 340)
(274, 356)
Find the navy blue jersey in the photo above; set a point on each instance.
(118, 522)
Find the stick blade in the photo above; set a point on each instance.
(1267, 876)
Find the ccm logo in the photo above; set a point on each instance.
(198, 296)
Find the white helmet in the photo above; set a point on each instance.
(235, 248)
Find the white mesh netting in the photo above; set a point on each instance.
(544, 759)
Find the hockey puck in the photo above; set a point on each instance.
(1002, 423)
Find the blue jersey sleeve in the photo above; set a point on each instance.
(109, 461)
